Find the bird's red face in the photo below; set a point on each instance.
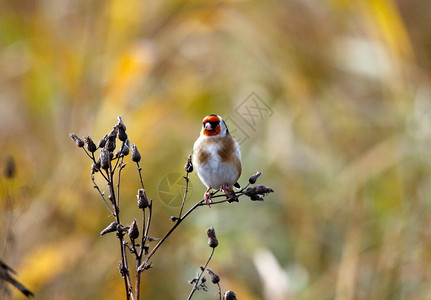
(211, 125)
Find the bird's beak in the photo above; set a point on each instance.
(208, 126)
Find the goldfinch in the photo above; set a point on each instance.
(216, 157)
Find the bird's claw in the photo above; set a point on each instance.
(207, 197)
(224, 188)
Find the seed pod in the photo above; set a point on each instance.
(229, 295)
(214, 277)
(104, 159)
(77, 140)
(102, 142)
(110, 144)
(256, 197)
(120, 124)
(122, 135)
(113, 133)
(91, 146)
(136, 156)
(254, 178)
(142, 199)
(111, 228)
(189, 165)
(263, 190)
(125, 148)
(133, 230)
(212, 239)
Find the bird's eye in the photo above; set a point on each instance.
(215, 124)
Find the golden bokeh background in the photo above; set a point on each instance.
(331, 100)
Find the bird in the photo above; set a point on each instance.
(5, 274)
(216, 157)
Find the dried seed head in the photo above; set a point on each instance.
(229, 295)
(111, 228)
(189, 165)
(254, 177)
(122, 135)
(133, 230)
(91, 146)
(110, 144)
(113, 133)
(125, 148)
(249, 192)
(142, 199)
(214, 277)
(102, 142)
(136, 156)
(263, 190)
(10, 168)
(104, 159)
(120, 124)
(77, 140)
(256, 197)
(258, 192)
(212, 239)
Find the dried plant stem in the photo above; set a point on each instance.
(124, 264)
(145, 236)
(101, 194)
(144, 264)
(177, 223)
(121, 167)
(140, 175)
(146, 228)
(219, 290)
(107, 165)
(195, 287)
(185, 194)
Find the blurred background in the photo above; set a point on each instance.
(329, 99)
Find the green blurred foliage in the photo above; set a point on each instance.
(346, 145)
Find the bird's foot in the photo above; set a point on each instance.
(207, 197)
(225, 189)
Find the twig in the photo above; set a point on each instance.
(185, 194)
(143, 265)
(219, 291)
(195, 287)
(120, 233)
(140, 175)
(147, 229)
(86, 152)
(141, 252)
(118, 183)
(101, 194)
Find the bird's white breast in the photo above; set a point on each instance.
(214, 172)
